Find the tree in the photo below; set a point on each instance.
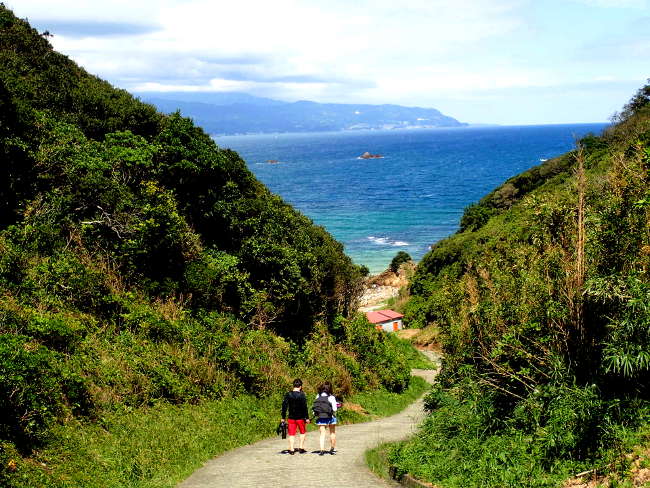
(637, 102)
(399, 259)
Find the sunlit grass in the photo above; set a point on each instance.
(377, 460)
(164, 444)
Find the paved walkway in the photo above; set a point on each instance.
(263, 465)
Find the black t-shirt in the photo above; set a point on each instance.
(296, 403)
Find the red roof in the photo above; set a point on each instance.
(382, 316)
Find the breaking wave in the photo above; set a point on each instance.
(385, 241)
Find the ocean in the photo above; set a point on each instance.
(411, 197)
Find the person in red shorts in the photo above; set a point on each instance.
(295, 402)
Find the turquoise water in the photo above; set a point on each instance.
(410, 198)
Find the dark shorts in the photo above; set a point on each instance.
(296, 424)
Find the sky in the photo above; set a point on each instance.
(480, 61)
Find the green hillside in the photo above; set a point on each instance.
(147, 279)
(542, 301)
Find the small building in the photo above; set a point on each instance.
(386, 320)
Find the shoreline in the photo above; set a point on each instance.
(375, 296)
(384, 286)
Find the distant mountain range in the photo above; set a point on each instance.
(240, 113)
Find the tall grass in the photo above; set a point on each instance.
(465, 442)
(382, 403)
(378, 462)
(416, 360)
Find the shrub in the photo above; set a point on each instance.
(63, 277)
(259, 360)
(640, 100)
(15, 472)
(378, 352)
(216, 282)
(400, 258)
(56, 331)
(627, 346)
(564, 422)
(323, 359)
(31, 396)
(475, 216)
(364, 270)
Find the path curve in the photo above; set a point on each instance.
(262, 465)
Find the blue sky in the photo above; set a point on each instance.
(481, 61)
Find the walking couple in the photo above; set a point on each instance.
(325, 406)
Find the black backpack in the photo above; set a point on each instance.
(322, 407)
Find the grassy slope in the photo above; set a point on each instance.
(545, 375)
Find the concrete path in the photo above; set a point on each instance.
(263, 465)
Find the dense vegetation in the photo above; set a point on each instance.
(542, 301)
(143, 269)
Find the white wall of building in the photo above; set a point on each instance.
(389, 325)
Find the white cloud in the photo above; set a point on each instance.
(635, 4)
(109, 10)
(416, 52)
(297, 38)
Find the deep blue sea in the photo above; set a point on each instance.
(412, 197)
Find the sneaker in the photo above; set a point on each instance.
(322, 453)
(332, 451)
(292, 452)
(301, 451)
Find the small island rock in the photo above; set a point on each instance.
(367, 155)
